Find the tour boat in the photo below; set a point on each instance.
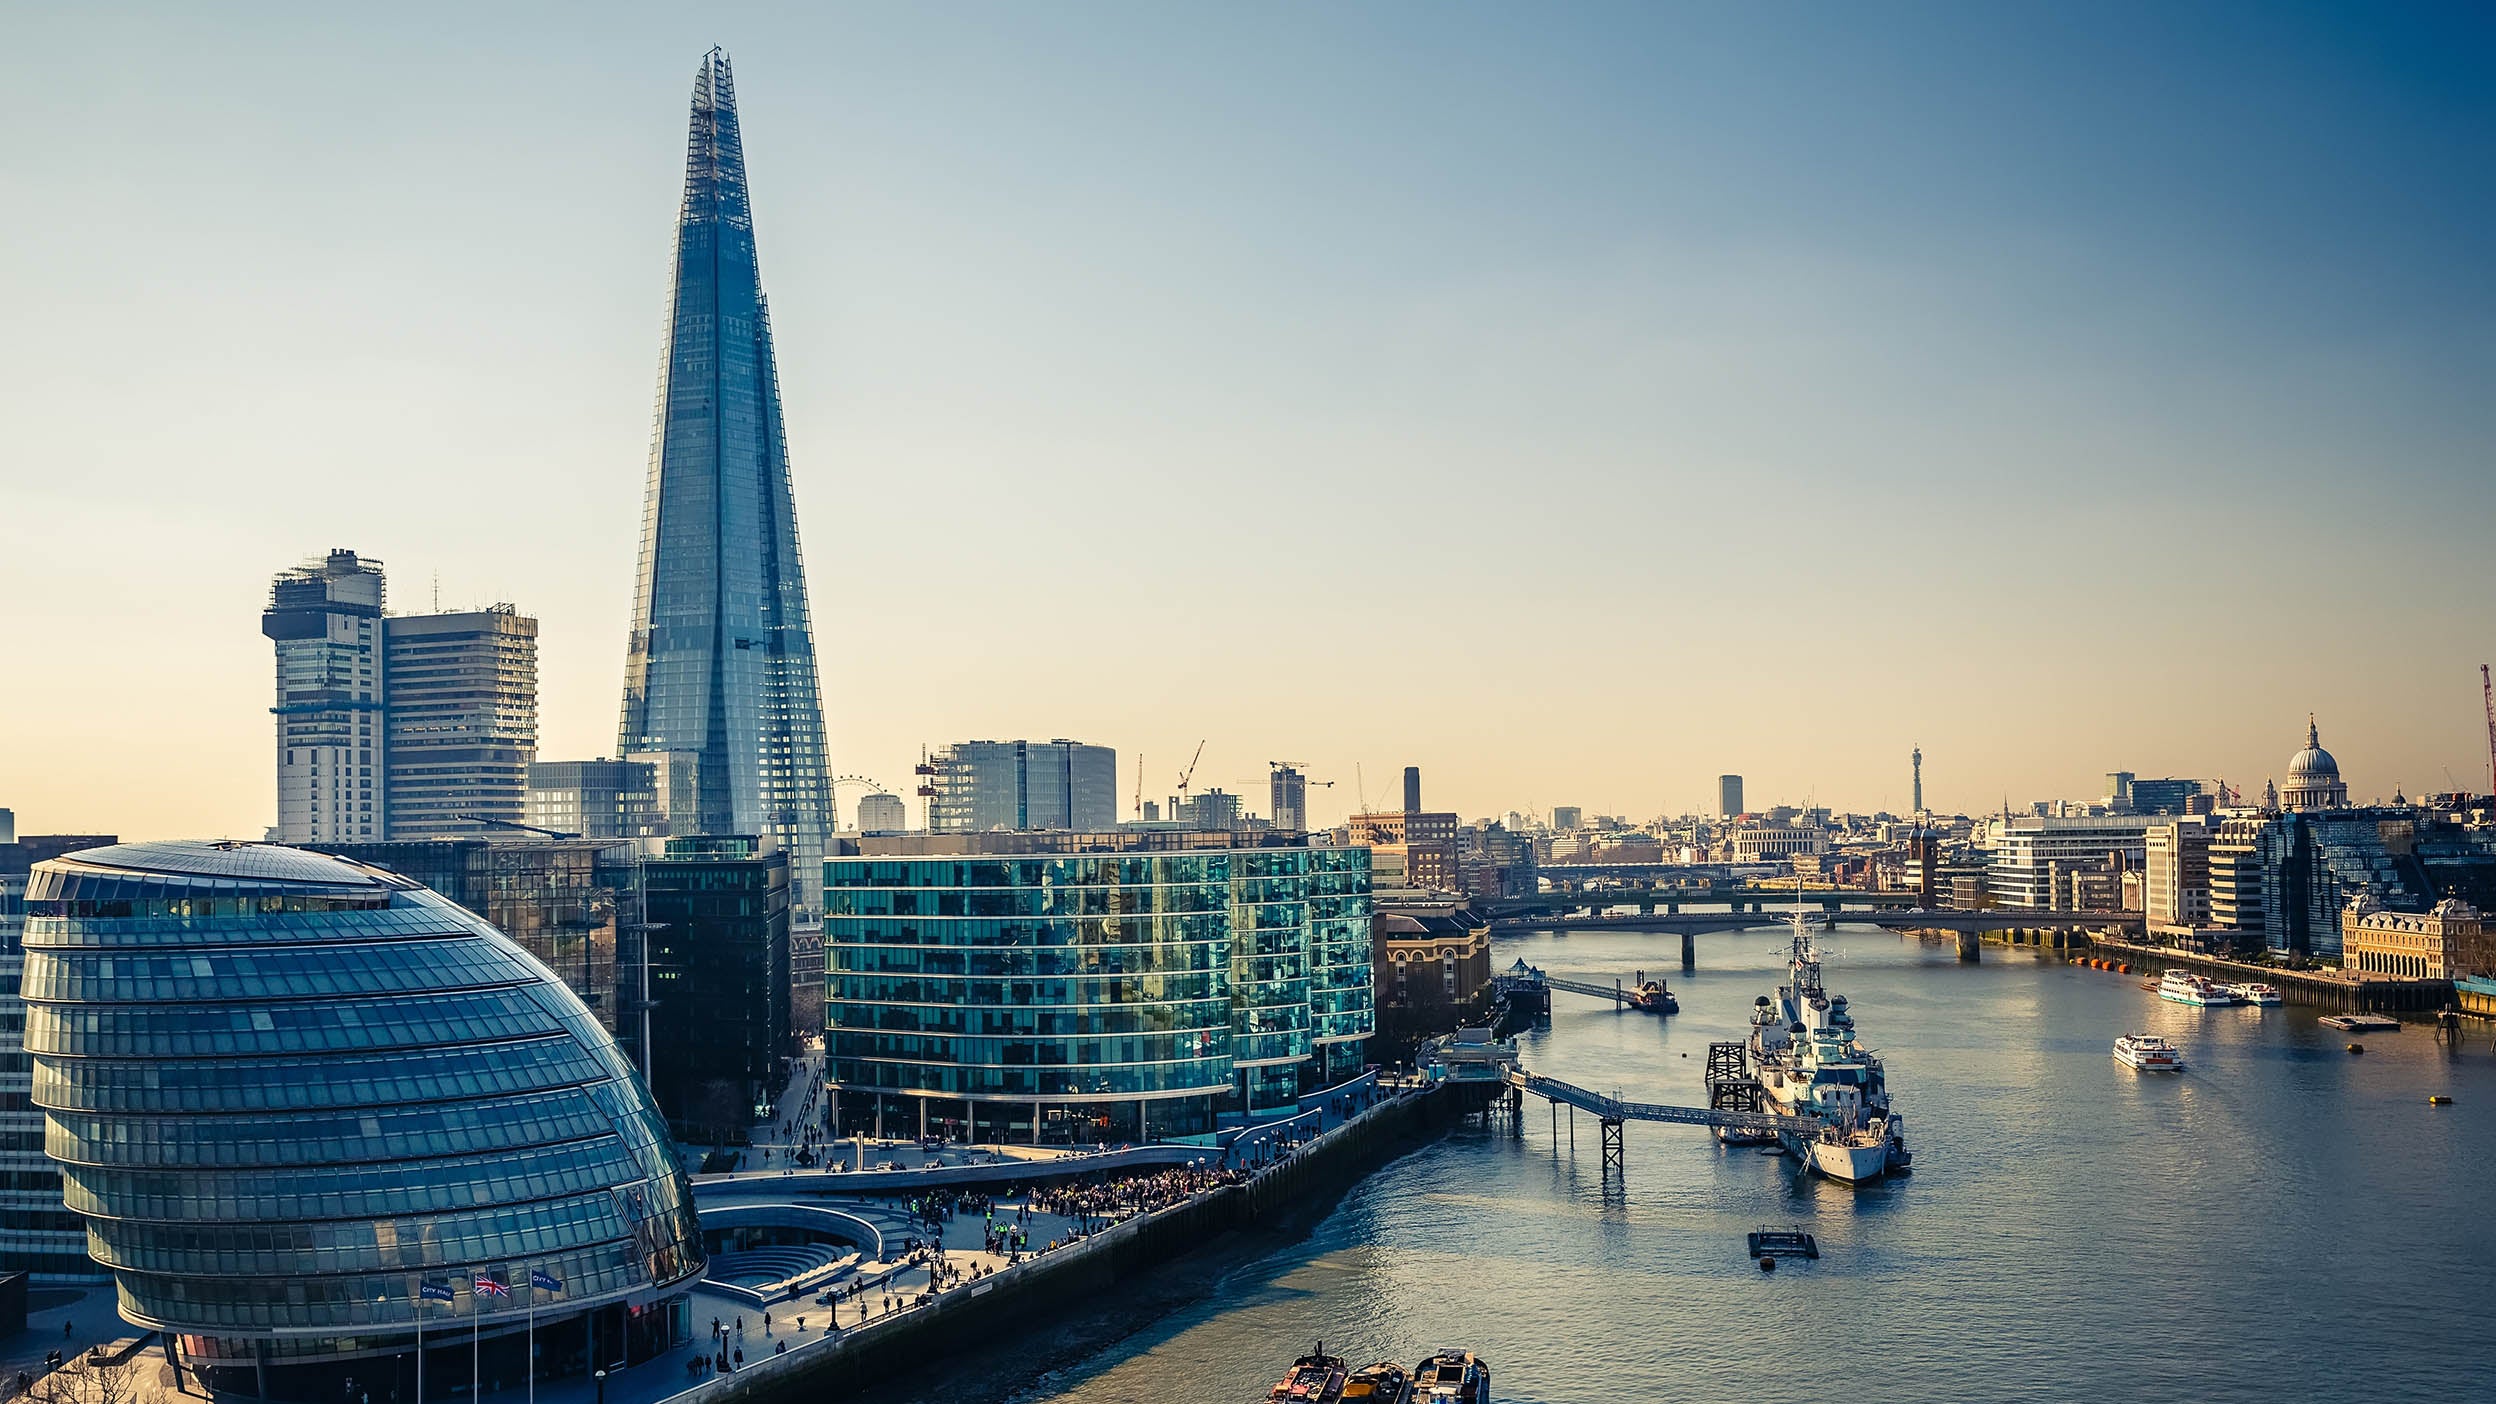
(1452, 1377)
(2149, 1053)
(2185, 987)
(1315, 1378)
(2254, 993)
(1382, 1383)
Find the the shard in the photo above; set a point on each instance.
(720, 685)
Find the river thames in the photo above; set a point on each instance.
(2282, 1220)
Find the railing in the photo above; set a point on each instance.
(1614, 1109)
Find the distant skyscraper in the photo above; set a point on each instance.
(407, 727)
(721, 660)
(882, 814)
(1412, 789)
(1568, 818)
(461, 720)
(1919, 781)
(1290, 794)
(987, 786)
(1729, 795)
(325, 619)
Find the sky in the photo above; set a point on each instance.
(1577, 402)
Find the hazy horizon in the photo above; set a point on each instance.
(1577, 404)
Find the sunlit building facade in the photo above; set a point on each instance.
(1091, 987)
(304, 1104)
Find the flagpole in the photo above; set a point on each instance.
(420, 1340)
(476, 1326)
(532, 1335)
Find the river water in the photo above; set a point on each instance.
(2283, 1220)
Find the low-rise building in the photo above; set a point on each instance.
(2412, 945)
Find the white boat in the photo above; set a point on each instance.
(2149, 1053)
(2185, 987)
(2254, 993)
(1803, 1051)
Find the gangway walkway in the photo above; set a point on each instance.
(1613, 1111)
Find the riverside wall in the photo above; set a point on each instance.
(1027, 1293)
(2381, 996)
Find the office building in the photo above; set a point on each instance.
(1768, 842)
(1076, 988)
(1412, 789)
(401, 726)
(2175, 888)
(1419, 847)
(718, 939)
(325, 619)
(2165, 796)
(1289, 791)
(1568, 818)
(720, 664)
(2119, 792)
(882, 814)
(2238, 901)
(564, 901)
(308, 1109)
(459, 721)
(2032, 856)
(1214, 809)
(1729, 796)
(596, 799)
(988, 786)
(39, 1236)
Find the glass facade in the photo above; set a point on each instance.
(1135, 993)
(719, 670)
(287, 1091)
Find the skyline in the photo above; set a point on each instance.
(1520, 361)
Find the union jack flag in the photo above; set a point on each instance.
(488, 1285)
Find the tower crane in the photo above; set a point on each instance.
(1139, 786)
(2487, 694)
(1189, 775)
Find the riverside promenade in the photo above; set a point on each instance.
(1145, 1205)
(2352, 991)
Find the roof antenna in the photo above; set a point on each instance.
(437, 590)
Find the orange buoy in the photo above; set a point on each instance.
(2124, 969)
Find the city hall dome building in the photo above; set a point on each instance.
(308, 1109)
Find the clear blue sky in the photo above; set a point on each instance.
(1574, 400)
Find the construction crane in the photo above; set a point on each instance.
(1139, 786)
(2487, 694)
(490, 822)
(1189, 775)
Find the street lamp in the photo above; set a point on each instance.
(601, 1377)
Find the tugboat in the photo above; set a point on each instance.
(1452, 1377)
(1315, 1378)
(1382, 1383)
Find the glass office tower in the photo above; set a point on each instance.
(719, 671)
(303, 1104)
(1073, 988)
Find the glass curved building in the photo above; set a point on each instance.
(308, 1108)
(1073, 996)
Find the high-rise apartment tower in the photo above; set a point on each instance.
(720, 665)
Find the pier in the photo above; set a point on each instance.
(1614, 1113)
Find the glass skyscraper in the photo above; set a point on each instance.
(719, 673)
